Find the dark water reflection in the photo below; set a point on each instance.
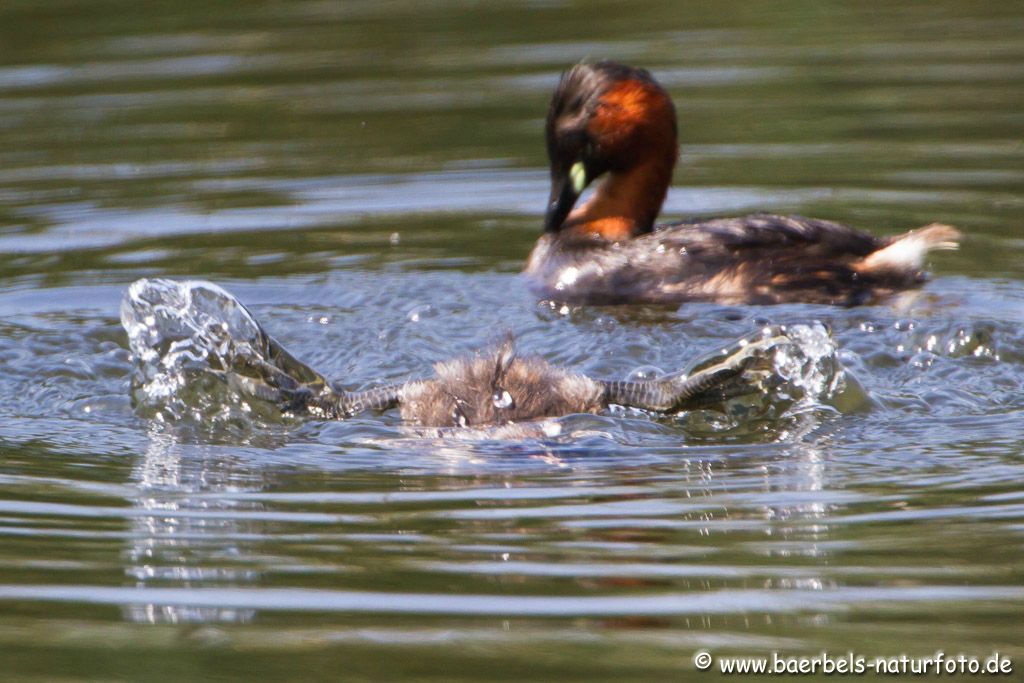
(369, 177)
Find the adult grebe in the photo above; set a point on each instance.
(614, 122)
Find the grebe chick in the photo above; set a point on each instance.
(499, 388)
(184, 333)
(615, 123)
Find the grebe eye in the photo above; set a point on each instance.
(502, 399)
(458, 417)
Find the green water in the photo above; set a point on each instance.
(369, 177)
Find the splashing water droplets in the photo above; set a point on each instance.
(790, 372)
(186, 337)
(202, 357)
(810, 364)
(645, 372)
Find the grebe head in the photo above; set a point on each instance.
(497, 387)
(608, 118)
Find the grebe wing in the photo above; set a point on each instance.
(767, 232)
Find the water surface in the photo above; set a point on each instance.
(368, 178)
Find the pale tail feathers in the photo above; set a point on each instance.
(906, 253)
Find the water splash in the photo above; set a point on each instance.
(198, 355)
(794, 372)
(809, 365)
(202, 356)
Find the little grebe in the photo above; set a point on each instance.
(615, 122)
(182, 332)
(500, 388)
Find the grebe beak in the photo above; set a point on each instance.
(565, 190)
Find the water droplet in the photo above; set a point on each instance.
(421, 313)
(551, 428)
(645, 372)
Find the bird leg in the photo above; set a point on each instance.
(737, 371)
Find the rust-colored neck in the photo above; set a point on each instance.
(626, 203)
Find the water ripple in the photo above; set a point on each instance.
(713, 602)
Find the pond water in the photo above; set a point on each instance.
(368, 177)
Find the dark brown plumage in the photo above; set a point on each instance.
(615, 123)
